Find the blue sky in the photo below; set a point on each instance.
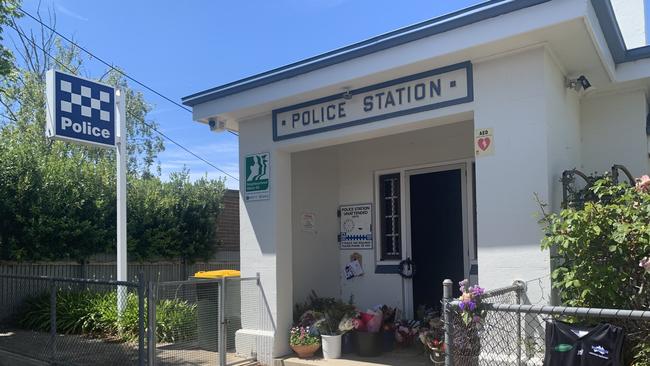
(181, 47)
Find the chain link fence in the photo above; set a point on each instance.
(196, 321)
(514, 334)
(72, 321)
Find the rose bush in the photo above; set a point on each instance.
(600, 249)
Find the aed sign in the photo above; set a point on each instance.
(412, 94)
(80, 110)
(483, 142)
(258, 172)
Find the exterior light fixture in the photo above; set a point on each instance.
(346, 94)
(581, 82)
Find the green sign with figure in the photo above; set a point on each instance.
(258, 172)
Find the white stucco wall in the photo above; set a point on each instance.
(511, 99)
(265, 242)
(613, 128)
(315, 182)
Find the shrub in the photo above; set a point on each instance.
(95, 313)
(598, 246)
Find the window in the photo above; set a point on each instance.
(389, 211)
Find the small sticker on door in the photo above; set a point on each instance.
(483, 142)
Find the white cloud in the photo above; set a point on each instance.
(63, 10)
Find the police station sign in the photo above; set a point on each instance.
(412, 94)
(80, 110)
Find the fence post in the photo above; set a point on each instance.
(447, 318)
(141, 293)
(520, 288)
(53, 319)
(222, 322)
(151, 327)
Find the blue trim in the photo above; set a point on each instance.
(613, 37)
(611, 31)
(387, 269)
(467, 65)
(637, 53)
(461, 18)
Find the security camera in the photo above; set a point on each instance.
(581, 82)
(217, 125)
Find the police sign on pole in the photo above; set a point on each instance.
(80, 110)
(91, 113)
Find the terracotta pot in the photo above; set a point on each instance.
(305, 351)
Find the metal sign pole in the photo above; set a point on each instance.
(122, 264)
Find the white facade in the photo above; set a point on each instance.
(520, 62)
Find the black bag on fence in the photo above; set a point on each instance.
(575, 345)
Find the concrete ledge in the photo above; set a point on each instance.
(255, 344)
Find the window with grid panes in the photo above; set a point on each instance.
(389, 211)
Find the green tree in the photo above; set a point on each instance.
(8, 11)
(57, 199)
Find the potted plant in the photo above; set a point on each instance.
(467, 346)
(304, 341)
(432, 336)
(368, 334)
(347, 325)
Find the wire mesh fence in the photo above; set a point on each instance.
(73, 321)
(514, 334)
(196, 321)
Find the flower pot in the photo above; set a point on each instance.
(387, 340)
(331, 346)
(347, 343)
(368, 344)
(305, 351)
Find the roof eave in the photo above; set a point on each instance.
(461, 18)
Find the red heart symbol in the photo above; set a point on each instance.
(484, 143)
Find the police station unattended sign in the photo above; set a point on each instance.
(412, 94)
(356, 226)
(80, 110)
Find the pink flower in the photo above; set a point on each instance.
(645, 264)
(643, 184)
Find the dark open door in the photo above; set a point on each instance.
(436, 234)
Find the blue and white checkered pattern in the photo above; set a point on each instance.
(86, 102)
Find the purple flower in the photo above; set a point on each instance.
(477, 319)
(472, 306)
(462, 306)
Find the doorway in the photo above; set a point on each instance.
(437, 231)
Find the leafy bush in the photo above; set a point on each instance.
(598, 247)
(95, 313)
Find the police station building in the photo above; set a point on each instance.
(424, 148)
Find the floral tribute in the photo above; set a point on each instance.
(470, 302)
(303, 336)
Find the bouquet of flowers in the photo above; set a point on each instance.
(406, 331)
(349, 322)
(470, 302)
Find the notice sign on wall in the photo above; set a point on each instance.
(483, 142)
(421, 92)
(356, 226)
(258, 173)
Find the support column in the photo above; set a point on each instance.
(265, 242)
(510, 98)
